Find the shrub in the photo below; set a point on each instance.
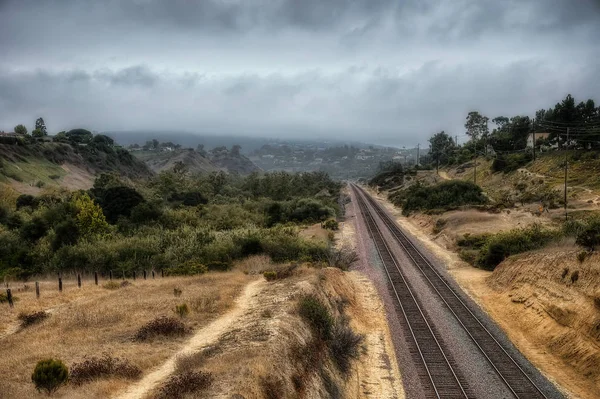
(188, 268)
(331, 224)
(314, 312)
(4, 298)
(445, 195)
(270, 275)
(111, 285)
(511, 162)
(439, 226)
(341, 258)
(581, 256)
(103, 367)
(575, 276)
(177, 292)
(589, 236)
(49, 375)
(28, 319)
(344, 345)
(502, 245)
(182, 310)
(26, 200)
(272, 387)
(185, 383)
(166, 326)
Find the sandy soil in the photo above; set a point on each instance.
(554, 324)
(378, 372)
(201, 339)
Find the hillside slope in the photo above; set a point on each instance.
(219, 159)
(31, 167)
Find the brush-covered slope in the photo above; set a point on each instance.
(28, 167)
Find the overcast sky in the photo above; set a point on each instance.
(380, 71)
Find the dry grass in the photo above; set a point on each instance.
(92, 321)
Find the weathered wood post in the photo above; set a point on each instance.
(144, 274)
(152, 274)
(110, 275)
(96, 278)
(37, 289)
(78, 280)
(134, 275)
(123, 274)
(9, 297)
(162, 273)
(60, 284)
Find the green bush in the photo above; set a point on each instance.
(316, 314)
(511, 162)
(589, 236)
(182, 310)
(502, 245)
(49, 375)
(270, 275)
(445, 195)
(331, 224)
(189, 268)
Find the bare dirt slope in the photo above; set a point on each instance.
(545, 301)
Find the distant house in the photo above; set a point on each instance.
(8, 134)
(538, 137)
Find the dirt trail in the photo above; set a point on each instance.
(202, 338)
(444, 175)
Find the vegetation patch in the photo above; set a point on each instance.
(161, 326)
(29, 319)
(94, 368)
(188, 382)
(316, 314)
(446, 195)
(49, 375)
(500, 246)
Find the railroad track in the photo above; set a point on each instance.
(437, 370)
(509, 371)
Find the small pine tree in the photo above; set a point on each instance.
(49, 375)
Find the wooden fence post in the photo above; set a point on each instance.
(9, 297)
(134, 275)
(37, 289)
(78, 280)
(123, 274)
(152, 274)
(162, 272)
(60, 284)
(96, 278)
(144, 274)
(110, 275)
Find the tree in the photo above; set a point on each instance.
(441, 147)
(20, 129)
(476, 126)
(118, 201)
(49, 375)
(90, 219)
(37, 133)
(41, 126)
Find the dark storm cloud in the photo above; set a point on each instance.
(383, 70)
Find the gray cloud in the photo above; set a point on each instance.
(381, 70)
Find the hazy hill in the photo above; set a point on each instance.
(220, 158)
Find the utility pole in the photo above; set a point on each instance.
(418, 148)
(456, 140)
(533, 133)
(475, 171)
(566, 173)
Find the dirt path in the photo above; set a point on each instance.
(444, 175)
(204, 337)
